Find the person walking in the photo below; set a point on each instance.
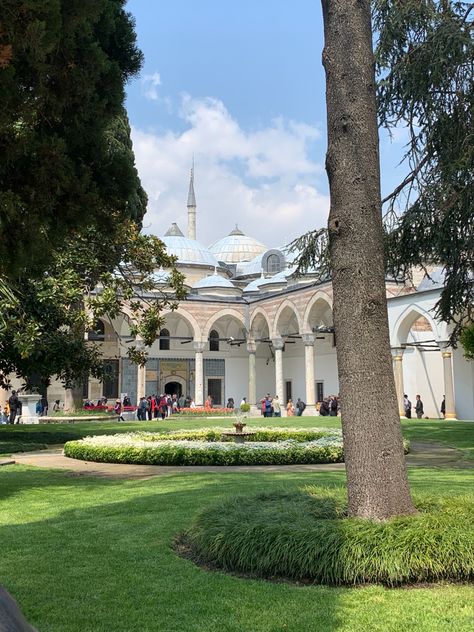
(300, 406)
(276, 407)
(44, 406)
(14, 405)
(290, 409)
(443, 407)
(118, 410)
(419, 407)
(407, 406)
(268, 406)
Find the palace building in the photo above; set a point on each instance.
(250, 327)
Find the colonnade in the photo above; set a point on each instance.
(278, 347)
(446, 354)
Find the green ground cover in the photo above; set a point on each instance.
(456, 434)
(94, 555)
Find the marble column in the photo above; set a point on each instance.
(448, 385)
(252, 387)
(141, 375)
(199, 373)
(278, 345)
(308, 340)
(141, 382)
(398, 374)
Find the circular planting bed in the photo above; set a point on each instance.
(208, 446)
(269, 446)
(307, 536)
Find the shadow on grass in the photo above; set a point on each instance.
(101, 557)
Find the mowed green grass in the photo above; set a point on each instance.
(87, 554)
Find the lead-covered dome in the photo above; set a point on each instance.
(188, 251)
(236, 247)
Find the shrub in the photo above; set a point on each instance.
(201, 411)
(245, 408)
(307, 536)
(10, 447)
(123, 449)
(261, 434)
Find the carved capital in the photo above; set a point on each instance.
(308, 339)
(278, 344)
(199, 346)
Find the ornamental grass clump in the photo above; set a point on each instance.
(307, 536)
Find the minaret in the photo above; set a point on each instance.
(191, 207)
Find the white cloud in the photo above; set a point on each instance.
(264, 180)
(150, 86)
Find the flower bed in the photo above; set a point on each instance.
(261, 434)
(129, 449)
(201, 411)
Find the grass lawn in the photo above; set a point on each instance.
(88, 554)
(93, 555)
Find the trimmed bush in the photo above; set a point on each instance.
(7, 447)
(261, 434)
(124, 449)
(306, 536)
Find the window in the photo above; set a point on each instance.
(97, 332)
(111, 379)
(273, 264)
(288, 390)
(214, 389)
(214, 340)
(319, 391)
(164, 340)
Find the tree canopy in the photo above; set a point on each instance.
(71, 201)
(425, 83)
(425, 64)
(63, 68)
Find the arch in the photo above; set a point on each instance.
(406, 320)
(231, 313)
(164, 340)
(320, 302)
(259, 313)
(188, 318)
(286, 306)
(213, 340)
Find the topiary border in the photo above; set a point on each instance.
(306, 536)
(187, 454)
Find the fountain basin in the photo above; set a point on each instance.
(239, 437)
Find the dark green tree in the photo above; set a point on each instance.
(63, 68)
(425, 67)
(425, 82)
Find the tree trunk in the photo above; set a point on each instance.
(375, 464)
(73, 398)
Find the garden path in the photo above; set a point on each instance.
(422, 454)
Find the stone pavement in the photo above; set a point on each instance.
(423, 454)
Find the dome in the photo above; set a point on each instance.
(237, 247)
(160, 276)
(187, 250)
(277, 281)
(254, 285)
(213, 281)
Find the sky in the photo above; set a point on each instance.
(240, 86)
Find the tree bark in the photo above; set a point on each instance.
(375, 464)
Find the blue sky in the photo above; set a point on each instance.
(240, 85)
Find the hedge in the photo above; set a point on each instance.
(261, 434)
(216, 453)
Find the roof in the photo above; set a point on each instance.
(237, 247)
(254, 285)
(214, 280)
(187, 250)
